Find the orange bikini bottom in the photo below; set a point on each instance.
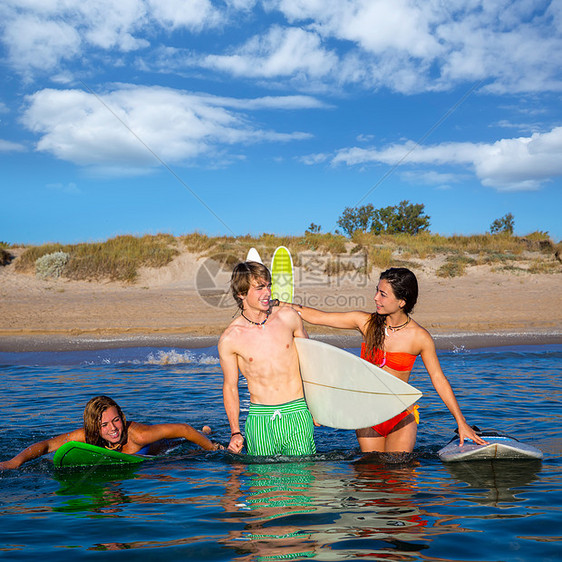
(386, 427)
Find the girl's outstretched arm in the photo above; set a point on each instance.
(42, 448)
(352, 320)
(444, 389)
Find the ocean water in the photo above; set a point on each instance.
(337, 505)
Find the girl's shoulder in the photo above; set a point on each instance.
(413, 340)
(421, 336)
(136, 427)
(136, 432)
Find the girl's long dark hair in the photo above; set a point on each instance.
(405, 286)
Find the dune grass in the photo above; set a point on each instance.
(117, 259)
(120, 258)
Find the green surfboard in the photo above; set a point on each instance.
(75, 453)
(282, 285)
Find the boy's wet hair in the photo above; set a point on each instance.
(92, 420)
(243, 275)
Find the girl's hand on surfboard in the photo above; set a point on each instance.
(466, 432)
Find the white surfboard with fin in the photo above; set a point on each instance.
(498, 447)
(253, 255)
(346, 392)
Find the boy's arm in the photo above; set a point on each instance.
(231, 398)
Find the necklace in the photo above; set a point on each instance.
(388, 329)
(256, 323)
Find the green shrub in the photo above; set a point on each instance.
(545, 266)
(451, 269)
(538, 235)
(26, 262)
(51, 266)
(328, 242)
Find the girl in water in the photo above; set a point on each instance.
(105, 426)
(392, 340)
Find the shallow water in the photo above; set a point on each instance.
(338, 505)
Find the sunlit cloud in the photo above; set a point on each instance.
(515, 164)
(141, 127)
(404, 46)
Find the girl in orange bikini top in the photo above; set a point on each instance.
(397, 360)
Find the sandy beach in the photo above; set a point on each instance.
(187, 304)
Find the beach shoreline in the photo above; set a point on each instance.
(63, 343)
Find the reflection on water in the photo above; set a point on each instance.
(304, 510)
(90, 491)
(495, 482)
(268, 497)
(337, 505)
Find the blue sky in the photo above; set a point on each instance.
(244, 116)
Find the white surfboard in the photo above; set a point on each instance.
(498, 447)
(253, 255)
(347, 392)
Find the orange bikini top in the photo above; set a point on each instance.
(396, 360)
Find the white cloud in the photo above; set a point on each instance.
(8, 146)
(34, 44)
(432, 178)
(39, 35)
(523, 127)
(374, 25)
(132, 127)
(521, 163)
(515, 164)
(280, 52)
(514, 45)
(270, 102)
(509, 45)
(195, 14)
(313, 159)
(404, 45)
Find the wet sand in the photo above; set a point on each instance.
(187, 305)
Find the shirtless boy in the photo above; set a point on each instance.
(260, 345)
(105, 425)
